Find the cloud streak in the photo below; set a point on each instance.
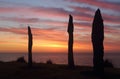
(83, 14)
(99, 3)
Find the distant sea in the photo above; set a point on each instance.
(83, 59)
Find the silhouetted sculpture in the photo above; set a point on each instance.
(97, 41)
(29, 47)
(70, 43)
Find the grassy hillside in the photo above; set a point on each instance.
(15, 70)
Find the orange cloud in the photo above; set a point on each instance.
(14, 30)
(20, 20)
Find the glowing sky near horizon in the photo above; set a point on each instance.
(48, 20)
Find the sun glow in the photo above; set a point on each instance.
(54, 45)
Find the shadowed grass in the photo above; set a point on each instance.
(17, 70)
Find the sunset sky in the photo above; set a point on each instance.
(48, 20)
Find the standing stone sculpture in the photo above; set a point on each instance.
(97, 42)
(29, 47)
(70, 43)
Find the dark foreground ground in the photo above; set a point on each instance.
(15, 70)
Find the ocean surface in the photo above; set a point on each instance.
(83, 59)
